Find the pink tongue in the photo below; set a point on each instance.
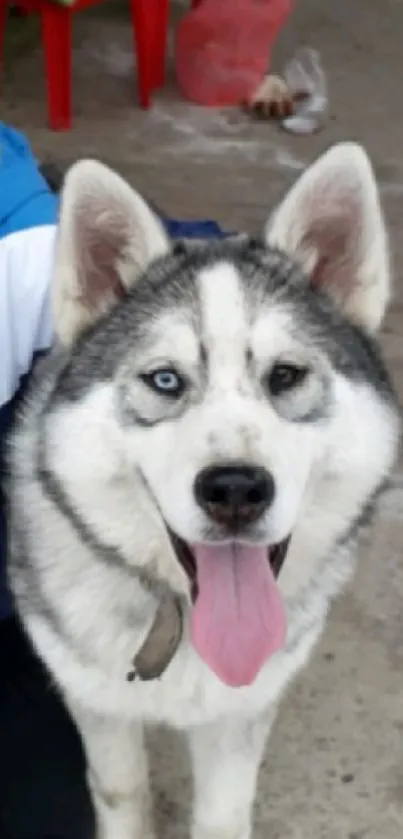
(238, 619)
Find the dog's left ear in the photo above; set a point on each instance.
(331, 222)
(107, 238)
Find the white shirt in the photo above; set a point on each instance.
(26, 266)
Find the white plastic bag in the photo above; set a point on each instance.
(306, 81)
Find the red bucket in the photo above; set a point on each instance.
(223, 48)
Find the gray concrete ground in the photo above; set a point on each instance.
(334, 766)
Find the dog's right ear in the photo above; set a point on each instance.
(107, 238)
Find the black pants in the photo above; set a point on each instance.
(43, 793)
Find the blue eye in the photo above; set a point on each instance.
(165, 381)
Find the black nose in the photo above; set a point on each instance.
(234, 495)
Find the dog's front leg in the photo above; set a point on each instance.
(117, 775)
(226, 758)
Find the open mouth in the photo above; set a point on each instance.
(238, 617)
(276, 555)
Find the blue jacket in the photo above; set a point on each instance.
(28, 219)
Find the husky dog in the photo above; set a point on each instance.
(192, 469)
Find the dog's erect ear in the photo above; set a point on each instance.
(331, 222)
(107, 237)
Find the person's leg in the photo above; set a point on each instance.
(43, 790)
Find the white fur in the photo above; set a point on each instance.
(332, 470)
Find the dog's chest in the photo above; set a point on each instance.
(189, 694)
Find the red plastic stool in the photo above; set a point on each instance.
(150, 27)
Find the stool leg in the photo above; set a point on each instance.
(161, 25)
(142, 14)
(56, 32)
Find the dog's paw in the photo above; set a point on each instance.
(124, 833)
(272, 99)
(230, 832)
(123, 821)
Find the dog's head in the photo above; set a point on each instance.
(239, 378)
